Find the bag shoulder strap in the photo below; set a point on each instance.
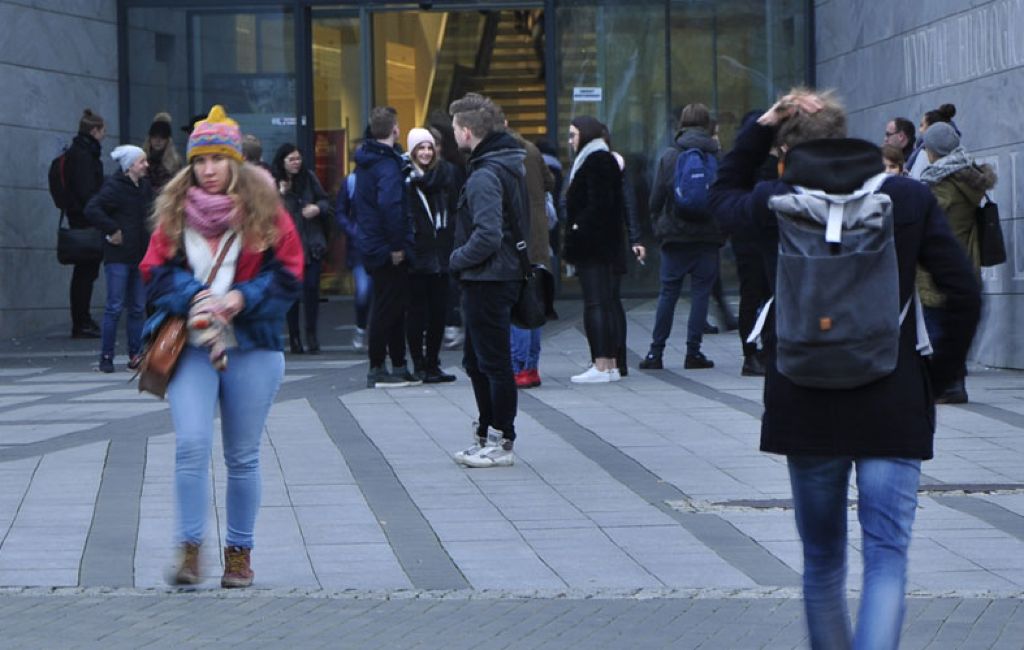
(225, 247)
(507, 186)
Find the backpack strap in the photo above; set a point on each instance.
(836, 203)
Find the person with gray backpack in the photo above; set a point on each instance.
(847, 384)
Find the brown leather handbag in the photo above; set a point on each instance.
(160, 358)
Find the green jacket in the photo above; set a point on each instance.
(959, 195)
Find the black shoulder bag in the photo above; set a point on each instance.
(528, 312)
(990, 234)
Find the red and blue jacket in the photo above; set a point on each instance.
(270, 281)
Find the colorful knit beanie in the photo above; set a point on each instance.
(217, 134)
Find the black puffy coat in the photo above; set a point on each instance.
(83, 173)
(122, 205)
(433, 229)
(305, 190)
(595, 230)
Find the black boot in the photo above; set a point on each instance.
(752, 366)
(312, 345)
(295, 343)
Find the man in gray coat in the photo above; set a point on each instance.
(487, 264)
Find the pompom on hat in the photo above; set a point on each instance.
(126, 155)
(217, 134)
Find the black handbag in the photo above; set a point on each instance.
(528, 311)
(78, 245)
(991, 247)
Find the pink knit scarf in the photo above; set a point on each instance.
(208, 214)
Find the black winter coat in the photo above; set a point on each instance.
(83, 172)
(672, 225)
(313, 232)
(595, 229)
(432, 223)
(893, 416)
(122, 205)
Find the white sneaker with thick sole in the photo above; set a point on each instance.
(615, 376)
(592, 376)
(493, 440)
(496, 456)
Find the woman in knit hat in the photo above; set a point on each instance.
(221, 217)
(310, 208)
(429, 188)
(164, 161)
(959, 185)
(119, 211)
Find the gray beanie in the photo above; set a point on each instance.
(941, 139)
(126, 155)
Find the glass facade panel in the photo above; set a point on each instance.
(183, 61)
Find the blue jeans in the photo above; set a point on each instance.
(886, 504)
(525, 348)
(700, 262)
(124, 290)
(364, 292)
(245, 392)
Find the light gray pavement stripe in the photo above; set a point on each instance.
(412, 539)
(714, 532)
(109, 556)
(992, 514)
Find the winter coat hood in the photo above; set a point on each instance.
(502, 149)
(694, 137)
(836, 165)
(372, 152)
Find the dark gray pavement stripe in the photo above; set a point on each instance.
(1015, 420)
(109, 557)
(716, 533)
(412, 539)
(992, 514)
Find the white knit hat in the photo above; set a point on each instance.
(126, 155)
(417, 137)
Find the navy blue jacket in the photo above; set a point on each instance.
(895, 415)
(379, 203)
(122, 205)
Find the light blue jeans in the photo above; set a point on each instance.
(525, 348)
(245, 392)
(886, 505)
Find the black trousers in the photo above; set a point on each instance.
(387, 314)
(754, 288)
(428, 306)
(310, 302)
(487, 352)
(603, 316)
(82, 278)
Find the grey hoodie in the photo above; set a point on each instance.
(484, 246)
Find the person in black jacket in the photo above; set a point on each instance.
(83, 172)
(689, 244)
(886, 427)
(385, 244)
(310, 208)
(429, 188)
(595, 241)
(120, 210)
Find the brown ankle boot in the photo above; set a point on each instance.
(237, 569)
(187, 571)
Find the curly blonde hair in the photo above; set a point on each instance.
(256, 201)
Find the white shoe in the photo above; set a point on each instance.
(493, 440)
(453, 337)
(359, 339)
(592, 376)
(491, 456)
(615, 376)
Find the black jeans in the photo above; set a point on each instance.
(310, 302)
(602, 309)
(754, 288)
(487, 353)
(82, 278)
(387, 314)
(428, 304)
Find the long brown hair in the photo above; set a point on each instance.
(250, 187)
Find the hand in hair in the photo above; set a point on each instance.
(789, 106)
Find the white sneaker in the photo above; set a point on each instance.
(615, 376)
(493, 440)
(454, 337)
(491, 456)
(592, 376)
(359, 339)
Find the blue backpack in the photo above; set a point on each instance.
(695, 172)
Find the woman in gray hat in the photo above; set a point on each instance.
(959, 184)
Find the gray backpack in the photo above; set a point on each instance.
(837, 309)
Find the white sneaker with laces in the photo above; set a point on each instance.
(493, 440)
(615, 376)
(491, 456)
(592, 376)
